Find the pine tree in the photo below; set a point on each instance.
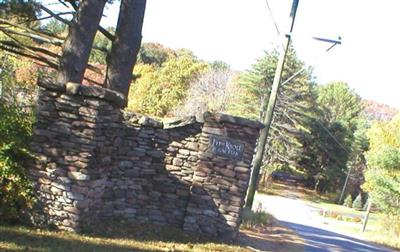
(348, 202)
(357, 203)
(293, 107)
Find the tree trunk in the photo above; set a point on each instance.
(264, 179)
(78, 44)
(316, 186)
(126, 45)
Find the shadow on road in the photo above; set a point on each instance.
(317, 239)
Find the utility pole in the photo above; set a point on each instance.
(367, 215)
(270, 111)
(345, 185)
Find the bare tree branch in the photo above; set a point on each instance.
(6, 22)
(39, 59)
(52, 14)
(17, 51)
(106, 33)
(44, 18)
(55, 41)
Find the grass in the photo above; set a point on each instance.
(343, 210)
(142, 238)
(374, 230)
(254, 220)
(262, 232)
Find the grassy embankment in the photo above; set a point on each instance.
(374, 231)
(259, 232)
(145, 238)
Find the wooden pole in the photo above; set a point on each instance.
(367, 215)
(270, 111)
(345, 185)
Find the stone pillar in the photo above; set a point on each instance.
(72, 122)
(222, 175)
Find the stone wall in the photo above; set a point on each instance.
(96, 162)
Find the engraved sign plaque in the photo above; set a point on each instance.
(226, 147)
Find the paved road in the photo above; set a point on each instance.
(302, 218)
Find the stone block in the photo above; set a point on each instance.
(242, 169)
(49, 84)
(190, 219)
(72, 209)
(155, 154)
(184, 152)
(150, 122)
(192, 146)
(213, 131)
(78, 176)
(72, 88)
(75, 196)
(177, 162)
(228, 173)
(230, 208)
(210, 213)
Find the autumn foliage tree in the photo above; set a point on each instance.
(213, 91)
(383, 173)
(161, 89)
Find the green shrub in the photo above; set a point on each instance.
(357, 203)
(348, 202)
(391, 224)
(15, 189)
(253, 219)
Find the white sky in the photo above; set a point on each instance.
(239, 31)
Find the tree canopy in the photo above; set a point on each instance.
(158, 90)
(383, 173)
(293, 107)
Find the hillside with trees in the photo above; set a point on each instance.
(375, 111)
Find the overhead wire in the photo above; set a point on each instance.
(298, 73)
(272, 18)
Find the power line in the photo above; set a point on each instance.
(333, 137)
(273, 19)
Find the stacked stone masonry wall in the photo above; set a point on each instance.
(95, 162)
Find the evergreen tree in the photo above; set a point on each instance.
(332, 141)
(293, 108)
(348, 202)
(357, 203)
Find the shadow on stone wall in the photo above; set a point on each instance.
(150, 178)
(95, 163)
